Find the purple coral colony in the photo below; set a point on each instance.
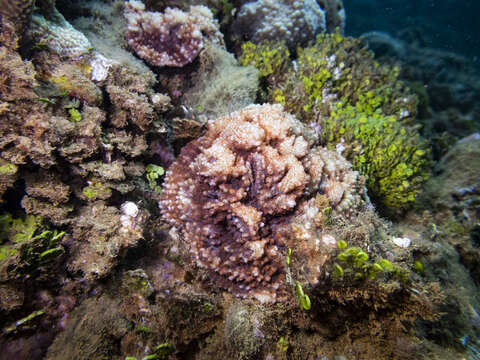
(227, 180)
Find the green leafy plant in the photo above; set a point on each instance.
(303, 298)
(353, 262)
(288, 258)
(271, 58)
(28, 245)
(75, 115)
(418, 267)
(7, 168)
(153, 173)
(282, 344)
(96, 190)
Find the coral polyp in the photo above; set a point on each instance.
(235, 192)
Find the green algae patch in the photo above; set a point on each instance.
(74, 115)
(29, 246)
(269, 58)
(153, 174)
(7, 168)
(96, 191)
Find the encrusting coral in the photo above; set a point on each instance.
(58, 35)
(235, 191)
(172, 38)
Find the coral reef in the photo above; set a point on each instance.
(259, 239)
(172, 38)
(28, 247)
(162, 307)
(359, 108)
(295, 22)
(91, 320)
(443, 230)
(448, 189)
(17, 11)
(269, 57)
(71, 157)
(105, 238)
(233, 191)
(31, 255)
(214, 86)
(243, 331)
(72, 149)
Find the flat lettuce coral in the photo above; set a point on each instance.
(359, 108)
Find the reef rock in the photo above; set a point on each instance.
(242, 193)
(457, 182)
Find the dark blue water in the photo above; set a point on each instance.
(445, 24)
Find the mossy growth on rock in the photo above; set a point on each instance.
(358, 107)
(339, 71)
(153, 174)
(7, 168)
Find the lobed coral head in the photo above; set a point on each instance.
(172, 38)
(291, 21)
(235, 191)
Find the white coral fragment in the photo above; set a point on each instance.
(404, 242)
